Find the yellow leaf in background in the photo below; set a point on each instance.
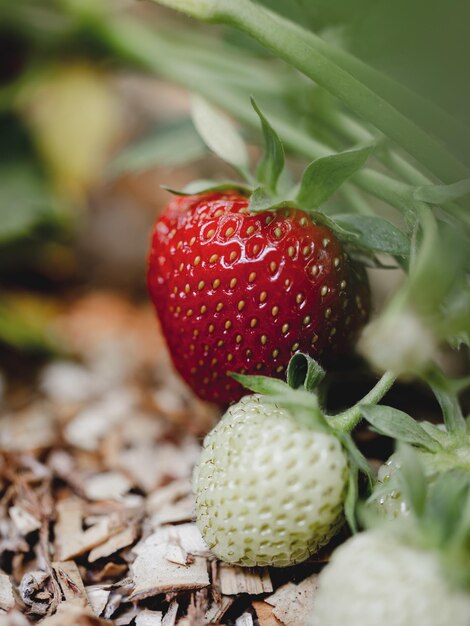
(75, 118)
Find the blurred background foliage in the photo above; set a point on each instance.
(94, 117)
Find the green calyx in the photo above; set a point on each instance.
(270, 186)
(302, 397)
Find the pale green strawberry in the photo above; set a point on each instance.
(375, 579)
(269, 490)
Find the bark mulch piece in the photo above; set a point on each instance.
(96, 510)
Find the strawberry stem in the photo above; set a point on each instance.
(153, 51)
(341, 74)
(347, 420)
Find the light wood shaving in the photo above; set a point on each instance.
(98, 598)
(293, 604)
(149, 618)
(96, 508)
(24, 521)
(70, 581)
(169, 618)
(218, 609)
(115, 543)
(234, 580)
(7, 599)
(265, 615)
(152, 573)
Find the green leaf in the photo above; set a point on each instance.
(219, 134)
(375, 233)
(448, 401)
(345, 234)
(397, 424)
(270, 167)
(261, 201)
(437, 265)
(261, 384)
(350, 502)
(444, 504)
(304, 371)
(440, 194)
(355, 455)
(171, 144)
(411, 478)
(301, 404)
(25, 200)
(326, 174)
(206, 186)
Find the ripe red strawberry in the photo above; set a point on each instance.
(242, 292)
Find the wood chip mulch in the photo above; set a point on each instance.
(96, 510)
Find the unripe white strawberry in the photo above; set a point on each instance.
(269, 491)
(453, 453)
(374, 579)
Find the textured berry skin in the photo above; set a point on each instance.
(374, 579)
(268, 490)
(241, 292)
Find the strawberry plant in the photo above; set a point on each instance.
(276, 477)
(256, 276)
(370, 139)
(413, 572)
(439, 447)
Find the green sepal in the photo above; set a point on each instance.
(448, 401)
(304, 371)
(272, 163)
(444, 504)
(351, 500)
(366, 232)
(325, 175)
(207, 186)
(355, 455)
(374, 233)
(411, 479)
(261, 201)
(440, 194)
(261, 384)
(302, 405)
(399, 425)
(357, 462)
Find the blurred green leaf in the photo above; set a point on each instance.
(399, 425)
(171, 144)
(375, 233)
(439, 194)
(24, 326)
(271, 165)
(219, 134)
(25, 200)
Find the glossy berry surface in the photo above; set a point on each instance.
(242, 292)
(268, 490)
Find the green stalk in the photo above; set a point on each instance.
(149, 50)
(349, 419)
(310, 55)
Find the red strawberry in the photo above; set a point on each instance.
(242, 292)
